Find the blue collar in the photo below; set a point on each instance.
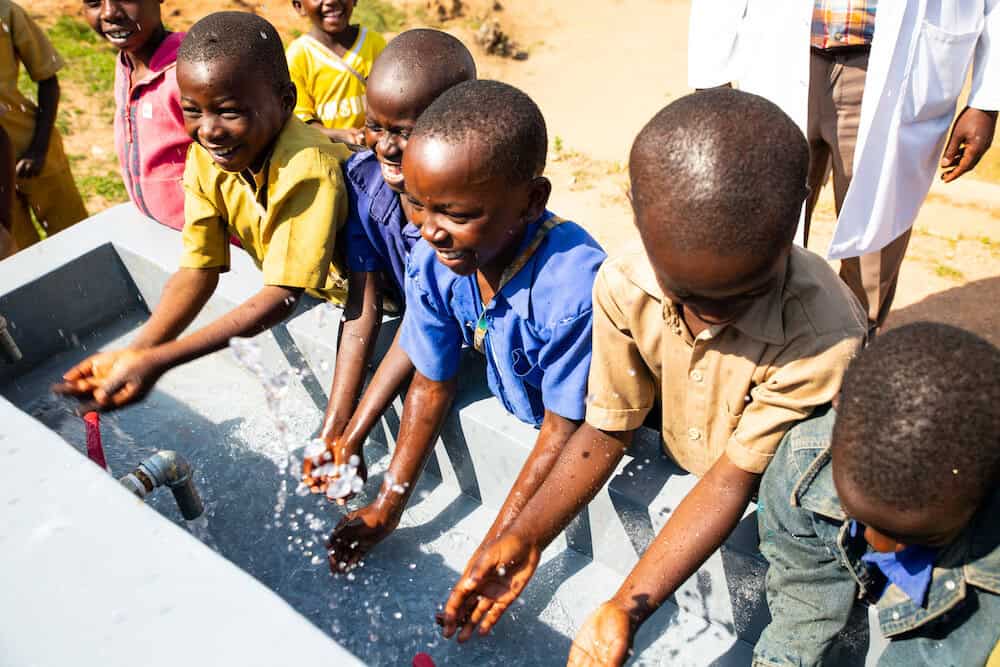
(909, 569)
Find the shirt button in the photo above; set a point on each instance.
(950, 585)
(694, 434)
(895, 615)
(697, 376)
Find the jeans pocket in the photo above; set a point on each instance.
(937, 73)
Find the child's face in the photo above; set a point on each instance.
(927, 525)
(329, 16)
(389, 121)
(127, 24)
(714, 288)
(470, 218)
(232, 113)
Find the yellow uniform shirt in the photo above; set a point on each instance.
(328, 90)
(286, 217)
(22, 41)
(734, 389)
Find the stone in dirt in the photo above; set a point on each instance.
(498, 43)
(445, 10)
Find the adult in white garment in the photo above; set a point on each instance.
(920, 55)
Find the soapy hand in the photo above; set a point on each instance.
(111, 380)
(604, 640)
(356, 534)
(328, 467)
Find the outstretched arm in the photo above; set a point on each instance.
(503, 568)
(426, 406)
(111, 380)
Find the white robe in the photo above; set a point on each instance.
(920, 56)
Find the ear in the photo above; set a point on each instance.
(538, 198)
(298, 8)
(289, 96)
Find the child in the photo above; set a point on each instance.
(7, 245)
(149, 126)
(330, 65)
(414, 69)
(735, 332)
(896, 501)
(491, 272)
(44, 183)
(254, 171)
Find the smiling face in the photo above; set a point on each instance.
(473, 220)
(931, 525)
(329, 16)
(391, 114)
(232, 113)
(716, 289)
(127, 24)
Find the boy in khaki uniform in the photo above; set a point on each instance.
(739, 334)
(255, 172)
(44, 182)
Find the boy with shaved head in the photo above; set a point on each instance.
(735, 332)
(894, 500)
(416, 67)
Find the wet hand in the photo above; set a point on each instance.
(490, 584)
(971, 137)
(30, 164)
(111, 380)
(321, 466)
(604, 639)
(356, 534)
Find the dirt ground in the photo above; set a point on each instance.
(599, 71)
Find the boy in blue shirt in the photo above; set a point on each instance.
(413, 70)
(495, 271)
(894, 500)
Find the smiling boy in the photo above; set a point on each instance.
(894, 500)
(253, 171)
(150, 136)
(492, 273)
(416, 67)
(732, 330)
(330, 66)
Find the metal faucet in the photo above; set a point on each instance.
(170, 469)
(8, 348)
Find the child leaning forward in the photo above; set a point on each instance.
(492, 273)
(255, 172)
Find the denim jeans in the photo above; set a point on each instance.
(816, 582)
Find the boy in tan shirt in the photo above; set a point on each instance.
(738, 333)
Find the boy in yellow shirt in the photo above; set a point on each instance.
(330, 66)
(256, 172)
(44, 182)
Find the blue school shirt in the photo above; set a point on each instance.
(377, 236)
(537, 342)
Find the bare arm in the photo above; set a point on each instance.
(350, 136)
(31, 163)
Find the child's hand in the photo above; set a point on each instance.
(30, 164)
(489, 585)
(604, 639)
(110, 380)
(335, 454)
(355, 536)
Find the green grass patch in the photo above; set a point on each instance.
(379, 15)
(109, 187)
(948, 272)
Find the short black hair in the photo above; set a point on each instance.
(247, 37)
(727, 169)
(918, 421)
(505, 122)
(424, 62)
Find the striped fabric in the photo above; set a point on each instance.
(839, 23)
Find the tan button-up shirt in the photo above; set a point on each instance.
(733, 389)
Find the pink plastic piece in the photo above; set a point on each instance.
(95, 450)
(422, 660)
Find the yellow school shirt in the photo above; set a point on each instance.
(286, 217)
(22, 41)
(328, 91)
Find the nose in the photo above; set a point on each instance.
(210, 130)
(388, 145)
(110, 10)
(430, 230)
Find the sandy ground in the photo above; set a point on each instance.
(599, 71)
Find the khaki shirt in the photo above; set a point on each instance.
(22, 41)
(287, 217)
(734, 389)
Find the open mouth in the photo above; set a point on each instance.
(222, 154)
(392, 173)
(118, 36)
(452, 255)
